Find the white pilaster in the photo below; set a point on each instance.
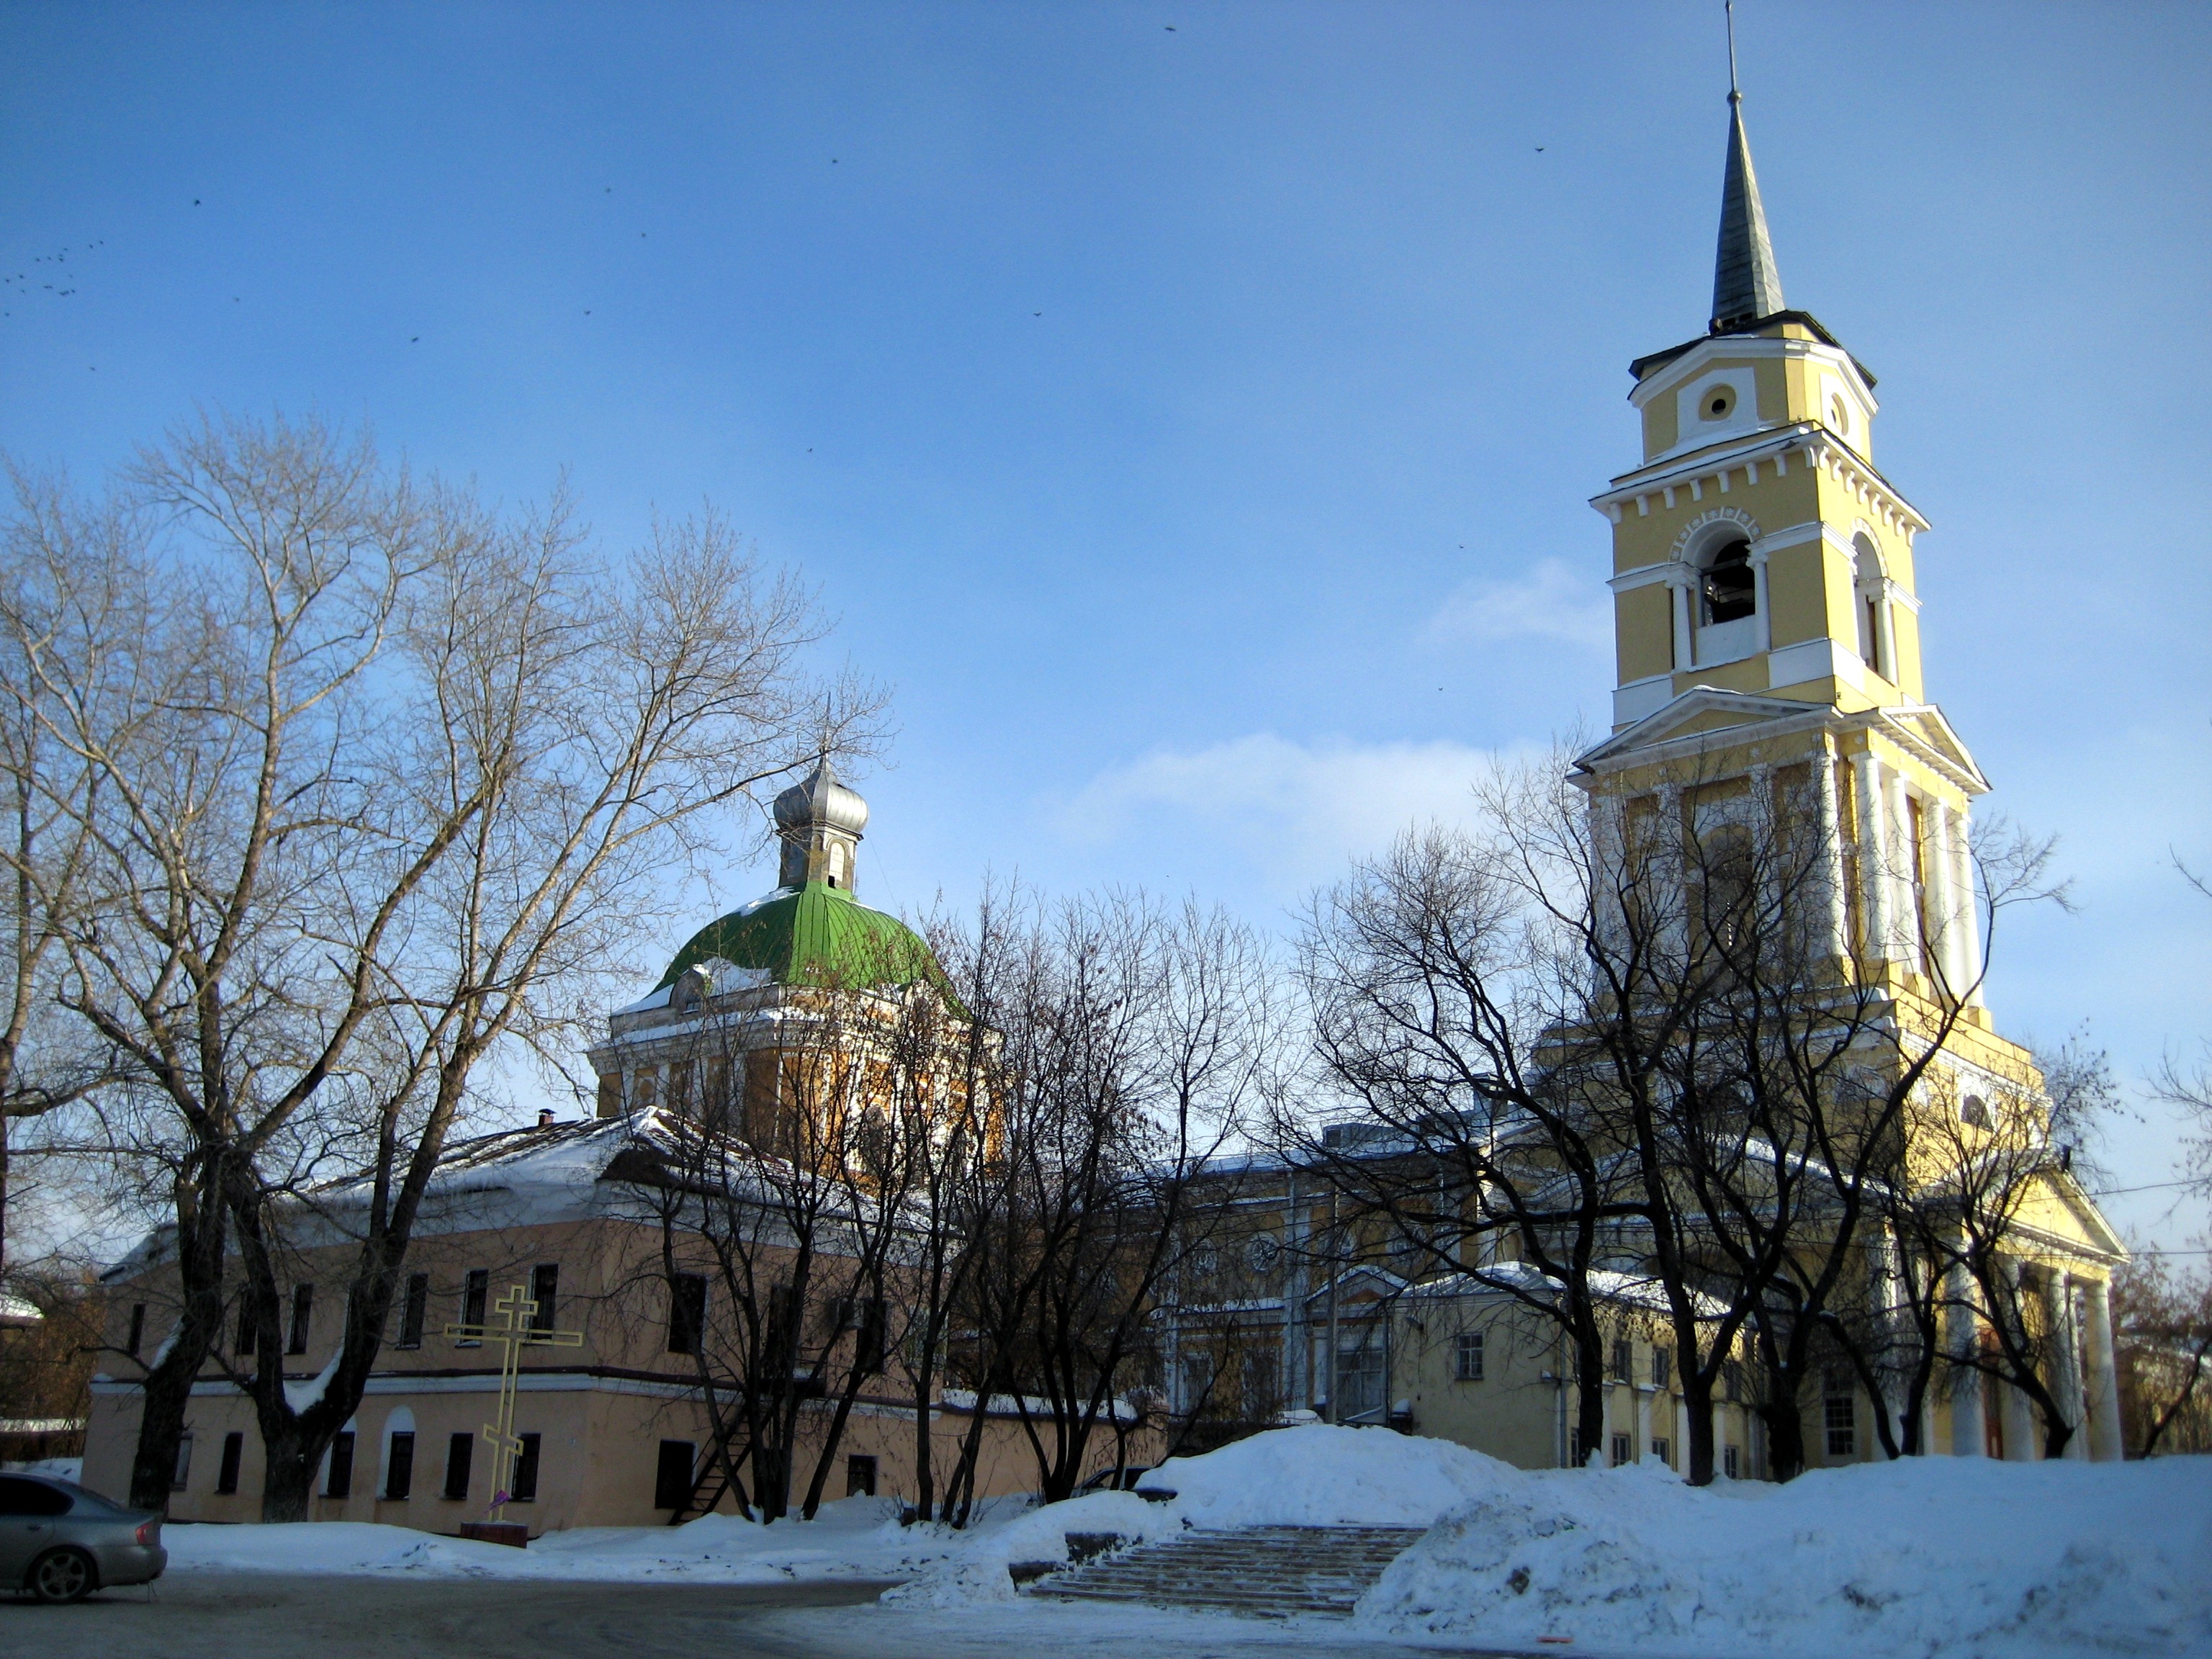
(1643, 1447)
(1680, 585)
(1834, 871)
(2105, 1442)
(1897, 841)
(1942, 911)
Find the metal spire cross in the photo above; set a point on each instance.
(513, 1335)
(1728, 9)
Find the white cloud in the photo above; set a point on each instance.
(1291, 813)
(1550, 602)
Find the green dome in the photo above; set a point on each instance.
(815, 934)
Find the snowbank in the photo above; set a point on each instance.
(1925, 1557)
(1314, 1476)
(855, 1538)
(977, 1570)
(1321, 1476)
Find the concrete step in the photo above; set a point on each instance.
(1272, 1571)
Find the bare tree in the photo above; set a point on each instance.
(377, 773)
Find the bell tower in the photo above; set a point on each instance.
(819, 822)
(1765, 616)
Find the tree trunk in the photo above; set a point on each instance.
(287, 1484)
(1697, 1403)
(167, 1390)
(1785, 1427)
(1590, 1390)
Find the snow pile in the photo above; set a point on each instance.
(978, 1571)
(1312, 1476)
(854, 1538)
(1924, 1557)
(1322, 1476)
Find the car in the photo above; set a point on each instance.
(1105, 1480)
(61, 1542)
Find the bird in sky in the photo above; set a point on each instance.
(196, 201)
(415, 339)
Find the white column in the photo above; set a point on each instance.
(1897, 841)
(1679, 583)
(1834, 871)
(1883, 1294)
(2105, 1442)
(1762, 628)
(1643, 1447)
(1969, 929)
(2065, 1358)
(1608, 879)
(2021, 1438)
(1942, 911)
(1968, 1437)
(1873, 859)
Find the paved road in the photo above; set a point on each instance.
(268, 1616)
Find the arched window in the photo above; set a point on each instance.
(1975, 1110)
(1727, 588)
(1873, 592)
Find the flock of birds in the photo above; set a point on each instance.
(18, 286)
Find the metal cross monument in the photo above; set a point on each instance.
(515, 1334)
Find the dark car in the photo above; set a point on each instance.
(59, 1541)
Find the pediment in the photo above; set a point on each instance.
(1700, 711)
(1921, 727)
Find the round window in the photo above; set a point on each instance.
(1839, 416)
(1718, 403)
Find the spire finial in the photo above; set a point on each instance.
(1746, 284)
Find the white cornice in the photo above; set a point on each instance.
(1804, 443)
(1693, 363)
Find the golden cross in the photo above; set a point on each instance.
(514, 1334)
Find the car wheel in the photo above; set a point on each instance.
(62, 1575)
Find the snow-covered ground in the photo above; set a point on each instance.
(852, 1538)
(1926, 1559)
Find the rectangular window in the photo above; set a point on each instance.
(476, 1295)
(414, 1310)
(138, 1329)
(1732, 1388)
(183, 1469)
(1623, 1359)
(1662, 1450)
(1620, 1450)
(611, 1095)
(399, 1465)
(1574, 1448)
(860, 1477)
(544, 1290)
(234, 1454)
(1839, 1412)
(458, 1450)
(687, 1313)
(525, 1490)
(868, 1336)
(1467, 1361)
(671, 1476)
(1729, 1463)
(248, 1327)
(1663, 1367)
(303, 1307)
(338, 1482)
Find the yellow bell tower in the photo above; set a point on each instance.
(1767, 622)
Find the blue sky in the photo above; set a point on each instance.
(1194, 423)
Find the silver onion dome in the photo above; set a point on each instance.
(821, 802)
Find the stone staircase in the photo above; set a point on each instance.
(1271, 1572)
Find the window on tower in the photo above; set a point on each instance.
(1729, 590)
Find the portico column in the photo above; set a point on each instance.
(1897, 840)
(1835, 869)
(1874, 861)
(2065, 1358)
(1969, 1439)
(2105, 1442)
(2020, 1436)
(1942, 918)
(1969, 945)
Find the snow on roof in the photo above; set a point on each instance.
(1607, 1284)
(16, 1311)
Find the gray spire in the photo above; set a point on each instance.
(1746, 285)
